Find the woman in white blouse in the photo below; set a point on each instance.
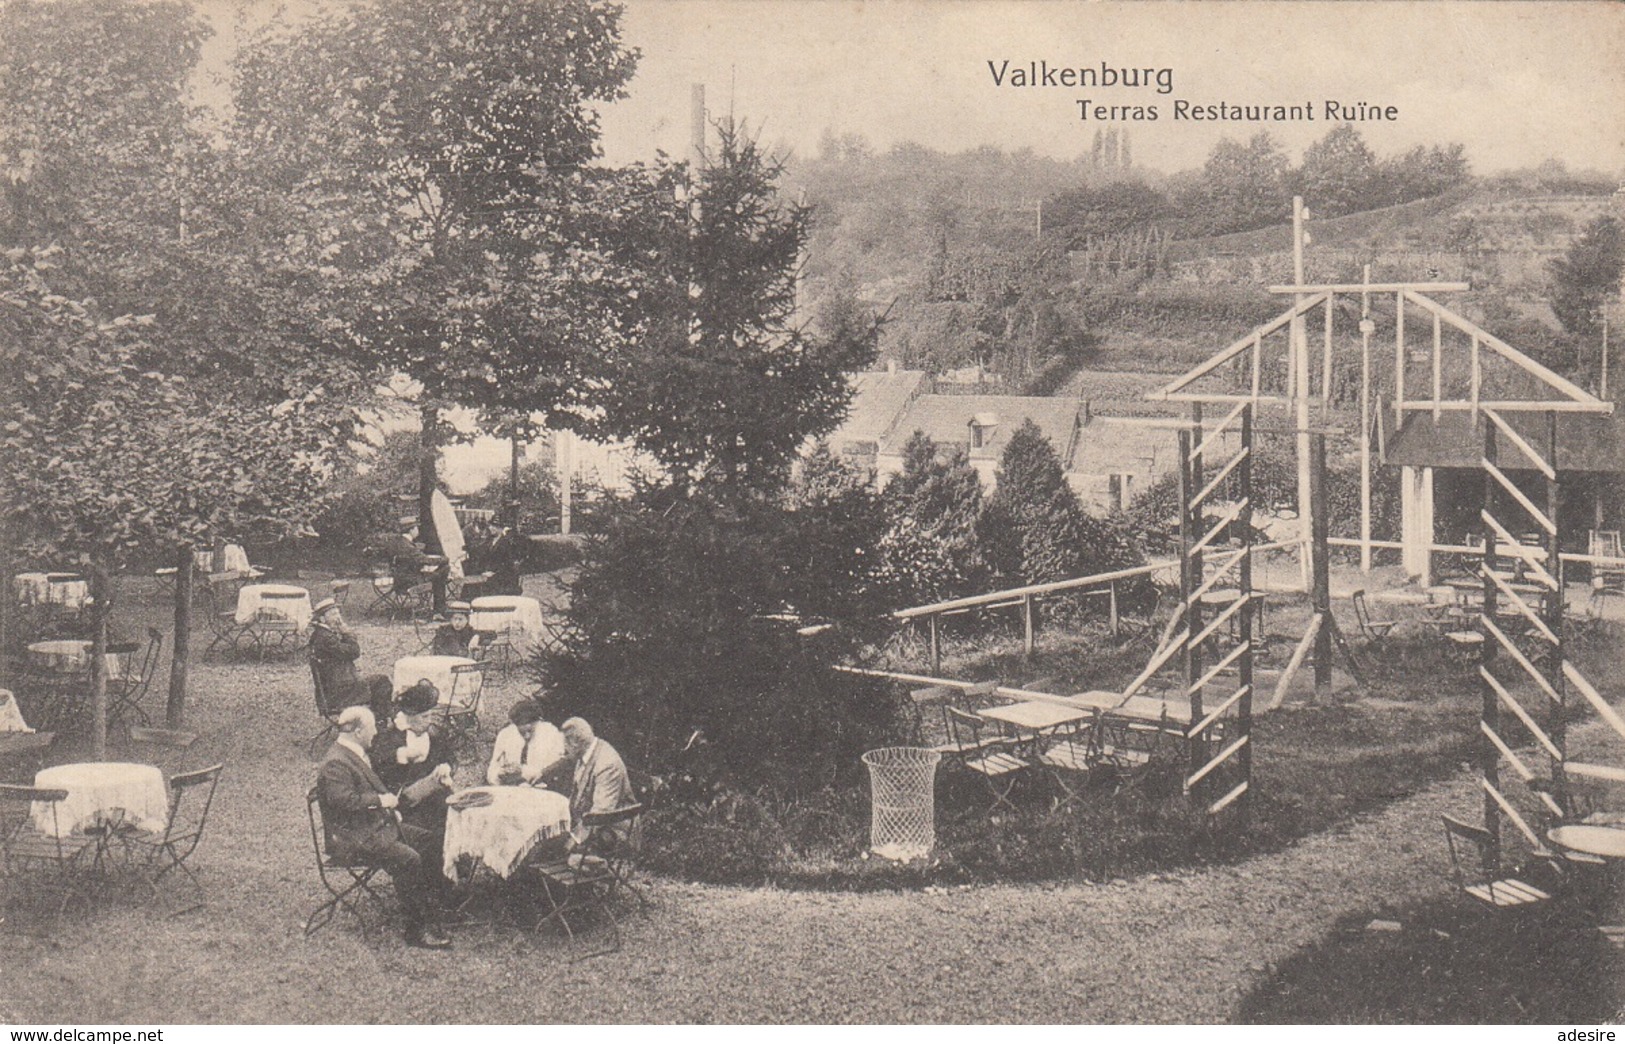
(529, 751)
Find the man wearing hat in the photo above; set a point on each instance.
(333, 653)
(457, 637)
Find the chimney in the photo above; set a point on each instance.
(891, 365)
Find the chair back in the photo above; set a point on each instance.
(615, 835)
(121, 665)
(318, 829)
(964, 728)
(1459, 835)
(149, 659)
(467, 683)
(323, 707)
(188, 814)
(18, 806)
(341, 592)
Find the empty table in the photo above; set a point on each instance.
(103, 793)
(437, 670)
(68, 656)
(282, 600)
(1604, 841)
(520, 616)
(501, 826)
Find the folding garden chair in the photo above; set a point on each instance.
(126, 695)
(220, 610)
(993, 758)
(1375, 632)
(347, 884)
(588, 881)
(1481, 881)
(31, 853)
(328, 712)
(496, 648)
(160, 852)
(463, 709)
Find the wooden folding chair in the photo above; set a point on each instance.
(220, 611)
(27, 852)
(274, 625)
(125, 698)
(588, 881)
(1374, 631)
(324, 707)
(463, 709)
(160, 852)
(993, 758)
(347, 884)
(1483, 882)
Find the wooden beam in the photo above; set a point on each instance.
(1517, 708)
(1507, 405)
(1293, 664)
(1517, 494)
(1371, 288)
(1226, 354)
(1535, 369)
(1519, 441)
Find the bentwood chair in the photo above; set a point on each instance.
(191, 795)
(348, 884)
(463, 709)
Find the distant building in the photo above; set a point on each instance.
(1107, 459)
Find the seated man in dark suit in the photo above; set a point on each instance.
(333, 653)
(362, 826)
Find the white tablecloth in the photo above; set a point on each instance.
(409, 670)
(11, 716)
(525, 619)
(503, 833)
(251, 599)
(40, 589)
(101, 792)
(69, 656)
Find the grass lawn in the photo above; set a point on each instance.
(1349, 803)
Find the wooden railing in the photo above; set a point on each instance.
(1097, 584)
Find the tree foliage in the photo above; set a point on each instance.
(930, 549)
(1588, 276)
(722, 385)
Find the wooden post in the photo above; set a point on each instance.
(1301, 393)
(1399, 359)
(175, 706)
(1322, 586)
(1190, 575)
(1555, 723)
(1489, 758)
(1112, 608)
(936, 646)
(1366, 329)
(1438, 353)
(1027, 624)
(1244, 582)
(101, 590)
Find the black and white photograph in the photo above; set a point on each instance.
(886, 513)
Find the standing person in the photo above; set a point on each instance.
(333, 654)
(504, 563)
(601, 783)
(362, 826)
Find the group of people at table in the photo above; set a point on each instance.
(384, 785)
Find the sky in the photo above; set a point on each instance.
(1516, 83)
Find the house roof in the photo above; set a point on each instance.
(946, 419)
(1585, 442)
(878, 399)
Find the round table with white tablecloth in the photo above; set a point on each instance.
(102, 792)
(503, 831)
(409, 670)
(69, 656)
(520, 616)
(67, 590)
(285, 600)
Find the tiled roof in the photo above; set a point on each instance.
(878, 399)
(1585, 442)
